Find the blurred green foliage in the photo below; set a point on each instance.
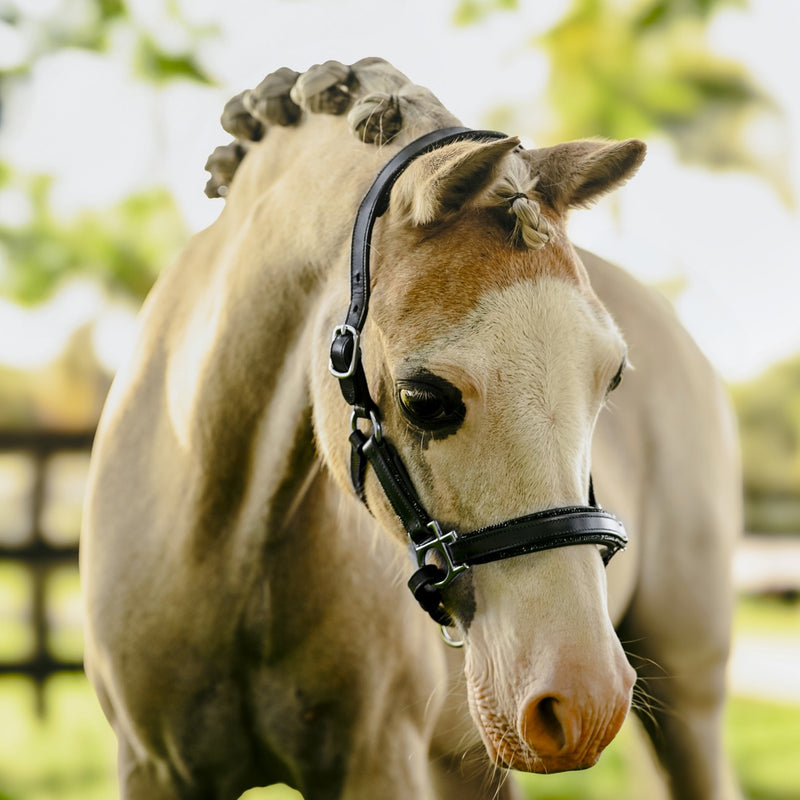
(635, 68)
(768, 409)
(469, 12)
(159, 66)
(121, 247)
(621, 70)
(769, 414)
(96, 25)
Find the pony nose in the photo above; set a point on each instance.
(576, 727)
(550, 725)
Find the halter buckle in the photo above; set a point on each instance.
(342, 334)
(440, 544)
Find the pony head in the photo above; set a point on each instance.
(490, 358)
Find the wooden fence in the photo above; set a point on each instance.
(32, 550)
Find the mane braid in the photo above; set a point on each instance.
(379, 101)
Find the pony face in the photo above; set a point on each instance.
(490, 357)
(495, 363)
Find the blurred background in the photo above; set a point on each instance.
(108, 110)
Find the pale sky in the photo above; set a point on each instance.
(104, 135)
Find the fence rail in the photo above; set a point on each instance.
(36, 554)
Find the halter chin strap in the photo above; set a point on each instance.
(440, 556)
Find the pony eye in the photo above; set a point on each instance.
(428, 407)
(617, 379)
(423, 405)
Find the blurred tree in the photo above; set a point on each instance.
(96, 25)
(468, 12)
(769, 419)
(622, 68)
(122, 247)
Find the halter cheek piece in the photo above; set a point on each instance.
(553, 527)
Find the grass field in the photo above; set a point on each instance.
(69, 755)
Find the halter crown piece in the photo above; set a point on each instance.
(440, 557)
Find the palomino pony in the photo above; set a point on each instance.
(250, 516)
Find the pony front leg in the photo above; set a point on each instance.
(387, 760)
(472, 777)
(678, 641)
(150, 780)
(393, 766)
(683, 716)
(375, 736)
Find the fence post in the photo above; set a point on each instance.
(39, 556)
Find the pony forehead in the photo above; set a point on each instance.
(524, 323)
(428, 278)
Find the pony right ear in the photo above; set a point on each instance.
(442, 181)
(576, 173)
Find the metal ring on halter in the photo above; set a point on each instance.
(358, 413)
(448, 639)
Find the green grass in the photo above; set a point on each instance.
(764, 743)
(70, 755)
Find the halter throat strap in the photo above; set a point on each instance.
(440, 556)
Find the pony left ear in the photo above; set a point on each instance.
(576, 173)
(443, 180)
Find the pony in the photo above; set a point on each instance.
(244, 567)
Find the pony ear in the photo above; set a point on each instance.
(576, 173)
(442, 181)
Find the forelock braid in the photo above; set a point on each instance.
(515, 189)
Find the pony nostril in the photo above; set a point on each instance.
(547, 725)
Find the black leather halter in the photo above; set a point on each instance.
(544, 530)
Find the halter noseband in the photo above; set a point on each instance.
(544, 530)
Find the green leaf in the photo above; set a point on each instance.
(471, 12)
(123, 248)
(158, 66)
(653, 16)
(631, 69)
(111, 9)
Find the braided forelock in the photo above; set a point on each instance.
(515, 189)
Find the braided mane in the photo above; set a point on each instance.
(380, 104)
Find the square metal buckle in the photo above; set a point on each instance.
(440, 544)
